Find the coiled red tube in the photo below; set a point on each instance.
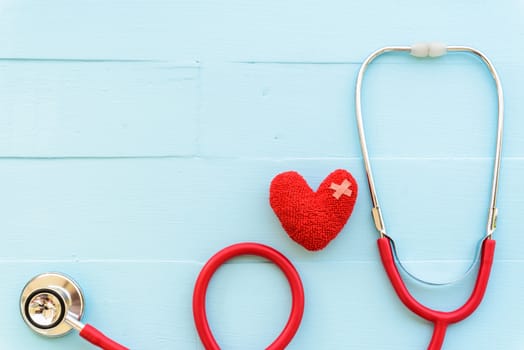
(199, 294)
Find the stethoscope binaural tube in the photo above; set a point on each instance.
(239, 249)
(386, 244)
(52, 305)
(440, 319)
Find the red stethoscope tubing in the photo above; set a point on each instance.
(209, 269)
(440, 319)
(95, 337)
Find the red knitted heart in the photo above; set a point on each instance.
(313, 219)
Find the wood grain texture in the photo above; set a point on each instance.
(57, 108)
(248, 302)
(137, 138)
(295, 30)
(111, 109)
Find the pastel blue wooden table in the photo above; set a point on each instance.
(137, 138)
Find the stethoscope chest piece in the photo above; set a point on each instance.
(47, 300)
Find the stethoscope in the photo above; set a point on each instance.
(52, 304)
(386, 245)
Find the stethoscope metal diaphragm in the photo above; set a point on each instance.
(52, 304)
(47, 300)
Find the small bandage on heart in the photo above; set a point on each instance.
(341, 189)
(313, 219)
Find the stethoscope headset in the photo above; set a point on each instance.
(52, 304)
(386, 245)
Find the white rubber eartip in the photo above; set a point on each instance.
(437, 49)
(420, 49)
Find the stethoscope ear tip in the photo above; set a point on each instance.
(47, 300)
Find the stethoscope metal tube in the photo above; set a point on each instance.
(376, 212)
(386, 244)
(52, 304)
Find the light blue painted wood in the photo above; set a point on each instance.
(248, 302)
(268, 108)
(83, 108)
(183, 202)
(277, 105)
(295, 30)
(138, 138)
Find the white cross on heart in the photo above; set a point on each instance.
(342, 189)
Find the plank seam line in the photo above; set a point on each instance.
(262, 158)
(178, 64)
(391, 62)
(250, 261)
(195, 63)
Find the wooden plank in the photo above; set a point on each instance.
(97, 108)
(332, 30)
(111, 109)
(347, 305)
(411, 108)
(185, 209)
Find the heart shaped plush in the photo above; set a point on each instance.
(313, 219)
